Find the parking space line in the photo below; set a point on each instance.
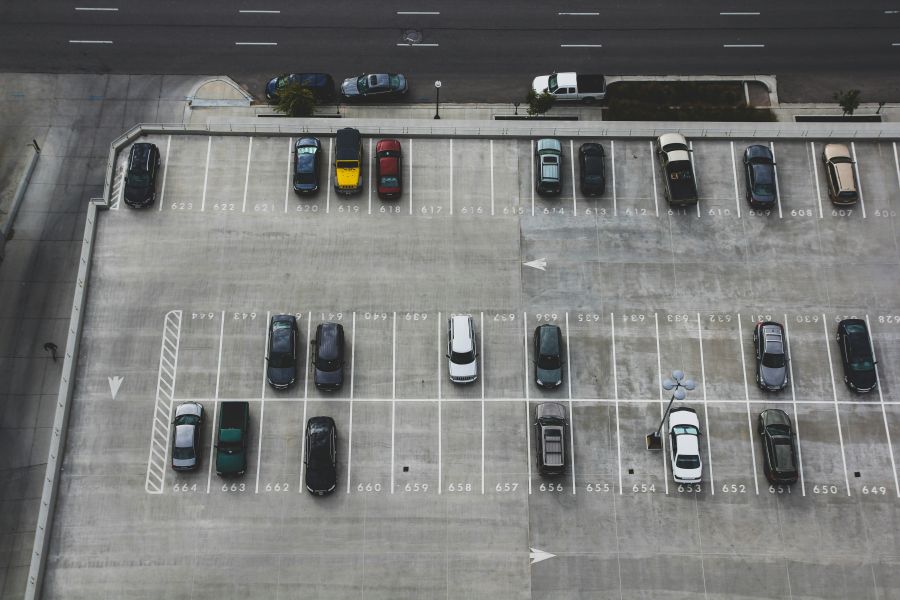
(483, 374)
(712, 479)
(747, 396)
(612, 157)
(653, 178)
(451, 176)
(393, 392)
(352, 376)
(527, 411)
(328, 187)
(247, 178)
(492, 178)
(612, 325)
(777, 186)
(571, 412)
(306, 362)
(290, 173)
(694, 171)
(896, 164)
(662, 401)
(372, 168)
(737, 194)
(206, 173)
(162, 192)
(531, 163)
(794, 402)
(837, 413)
(815, 169)
(301, 485)
(439, 378)
(212, 429)
(409, 185)
(574, 187)
(887, 429)
(859, 186)
(262, 403)
(159, 433)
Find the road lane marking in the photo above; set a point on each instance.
(612, 158)
(96, 9)
(694, 171)
(579, 14)
(260, 12)
(887, 430)
(256, 43)
(859, 189)
(409, 186)
(837, 413)
(738, 14)
(743, 45)
(531, 162)
(212, 428)
(162, 410)
(492, 175)
(90, 41)
(747, 396)
(330, 169)
(262, 405)
(393, 393)
(418, 12)
(451, 176)
(439, 378)
(794, 402)
(247, 178)
(612, 325)
(574, 187)
(419, 44)
(372, 158)
(712, 480)
(206, 173)
(662, 401)
(580, 46)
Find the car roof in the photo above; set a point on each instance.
(775, 416)
(327, 336)
(347, 142)
(549, 144)
(759, 151)
(688, 444)
(184, 436)
(833, 151)
(549, 338)
(461, 341)
(387, 145)
(671, 138)
(320, 424)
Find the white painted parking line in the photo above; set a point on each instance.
(212, 427)
(571, 412)
(97, 9)
(837, 412)
(738, 14)
(612, 157)
(743, 45)
(527, 406)
(352, 376)
(162, 192)
(483, 376)
(492, 177)
(118, 191)
(611, 401)
(612, 327)
(787, 343)
(302, 485)
(896, 164)
(859, 186)
(662, 400)
(418, 12)
(393, 393)
(206, 173)
(653, 178)
(440, 357)
(887, 429)
(712, 479)
(262, 407)
(777, 185)
(815, 170)
(409, 179)
(290, 173)
(747, 396)
(247, 178)
(694, 171)
(328, 187)
(158, 459)
(531, 163)
(451, 176)
(574, 187)
(306, 362)
(737, 194)
(90, 41)
(256, 43)
(372, 158)
(580, 45)
(260, 12)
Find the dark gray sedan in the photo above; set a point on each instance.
(547, 356)
(186, 437)
(779, 449)
(307, 164)
(380, 85)
(771, 356)
(759, 172)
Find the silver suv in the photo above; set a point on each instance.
(461, 350)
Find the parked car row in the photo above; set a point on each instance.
(367, 86)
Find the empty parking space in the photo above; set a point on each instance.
(186, 172)
(590, 354)
(417, 366)
(375, 346)
(416, 436)
(869, 460)
(643, 471)
(268, 183)
(462, 434)
(597, 446)
(631, 168)
(433, 178)
(228, 162)
(502, 352)
(506, 193)
(823, 458)
(471, 177)
(715, 164)
(369, 454)
(508, 460)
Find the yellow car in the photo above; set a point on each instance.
(348, 162)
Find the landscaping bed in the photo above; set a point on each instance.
(680, 101)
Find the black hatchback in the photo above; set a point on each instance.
(857, 355)
(328, 356)
(307, 165)
(547, 356)
(592, 164)
(140, 177)
(759, 175)
(281, 367)
(779, 449)
(321, 455)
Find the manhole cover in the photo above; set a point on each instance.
(412, 36)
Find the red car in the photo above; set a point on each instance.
(389, 169)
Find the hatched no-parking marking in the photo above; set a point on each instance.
(162, 411)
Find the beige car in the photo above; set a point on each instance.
(839, 172)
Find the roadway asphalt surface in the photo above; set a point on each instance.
(480, 51)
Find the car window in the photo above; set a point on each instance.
(306, 163)
(773, 361)
(139, 178)
(688, 461)
(784, 456)
(184, 453)
(395, 82)
(548, 361)
(390, 182)
(463, 358)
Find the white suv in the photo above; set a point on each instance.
(684, 434)
(463, 364)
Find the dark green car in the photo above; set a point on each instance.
(548, 356)
(231, 440)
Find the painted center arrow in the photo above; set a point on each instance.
(114, 383)
(538, 263)
(539, 555)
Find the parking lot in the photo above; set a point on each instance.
(438, 493)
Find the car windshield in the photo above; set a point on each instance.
(784, 456)
(463, 358)
(687, 461)
(329, 365)
(395, 82)
(778, 430)
(183, 453)
(548, 361)
(551, 83)
(773, 361)
(139, 178)
(764, 189)
(862, 364)
(362, 84)
(187, 420)
(685, 429)
(389, 181)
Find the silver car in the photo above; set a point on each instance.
(771, 356)
(461, 350)
(186, 437)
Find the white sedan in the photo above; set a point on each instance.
(684, 435)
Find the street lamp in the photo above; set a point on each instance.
(437, 99)
(679, 384)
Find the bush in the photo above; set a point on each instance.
(538, 104)
(294, 100)
(680, 101)
(848, 101)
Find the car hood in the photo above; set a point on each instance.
(863, 380)
(184, 462)
(271, 87)
(230, 463)
(136, 191)
(688, 474)
(321, 480)
(335, 377)
(548, 377)
(283, 376)
(349, 87)
(772, 377)
(468, 370)
(540, 83)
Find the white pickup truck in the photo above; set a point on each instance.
(571, 86)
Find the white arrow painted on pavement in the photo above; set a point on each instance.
(114, 383)
(538, 263)
(539, 555)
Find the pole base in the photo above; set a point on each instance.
(654, 441)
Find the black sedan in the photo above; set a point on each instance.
(307, 165)
(186, 437)
(857, 355)
(140, 175)
(547, 356)
(321, 455)
(779, 448)
(592, 164)
(281, 370)
(320, 84)
(381, 86)
(771, 356)
(759, 175)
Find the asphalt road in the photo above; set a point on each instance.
(480, 51)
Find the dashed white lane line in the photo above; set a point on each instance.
(96, 9)
(260, 12)
(372, 158)
(418, 12)
(712, 479)
(162, 193)
(206, 173)
(571, 412)
(262, 405)
(859, 186)
(777, 186)
(409, 179)
(352, 377)
(256, 43)
(492, 175)
(837, 412)
(653, 178)
(743, 45)
(578, 14)
(747, 396)
(393, 393)
(574, 186)
(612, 158)
(887, 429)
(290, 173)
(451, 176)
(483, 375)
(440, 360)
(662, 400)
(212, 427)
(815, 170)
(580, 45)
(738, 14)
(737, 195)
(527, 405)
(420, 44)
(787, 340)
(612, 327)
(247, 178)
(90, 41)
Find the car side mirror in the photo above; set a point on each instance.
(447, 355)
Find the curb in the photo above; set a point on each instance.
(19, 195)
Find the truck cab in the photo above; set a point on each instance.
(674, 157)
(348, 161)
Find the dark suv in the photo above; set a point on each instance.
(591, 161)
(550, 433)
(140, 178)
(321, 455)
(856, 354)
(281, 357)
(547, 356)
(328, 356)
(779, 453)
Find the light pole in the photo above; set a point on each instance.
(679, 384)
(437, 99)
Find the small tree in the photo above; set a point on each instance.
(294, 100)
(538, 104)
(849, 100)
